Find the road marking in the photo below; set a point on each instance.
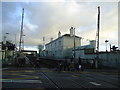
(74, 76)
(29, 77)
(94, 83)
(22, 81)
(29, 71)
(3, 68)
(11, 71)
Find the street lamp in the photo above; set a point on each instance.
(106, 41)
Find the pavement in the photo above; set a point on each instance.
(20, 78)
(46, 78)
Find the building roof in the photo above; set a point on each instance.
(65, 35)
(68, 35)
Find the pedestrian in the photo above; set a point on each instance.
(77, 66)
(66, 65)
(60, 65)
(79, 60)
(21, 59)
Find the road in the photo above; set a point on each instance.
(45, 79)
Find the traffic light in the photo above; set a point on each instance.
(3, 47)
(11, 47)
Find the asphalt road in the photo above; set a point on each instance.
(44, 79)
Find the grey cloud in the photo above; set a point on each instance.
(46, 19)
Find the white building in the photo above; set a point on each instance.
(82, 50)
(62, 46)
(106, 59)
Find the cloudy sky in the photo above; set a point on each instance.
(45, 19)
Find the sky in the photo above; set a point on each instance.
(46, 19)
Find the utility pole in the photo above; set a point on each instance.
(43, 43)
(98, 28)
(21, 33)
(97, 36)
(74, 44)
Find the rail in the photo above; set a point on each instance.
(30, 62)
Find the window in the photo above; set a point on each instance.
(59, 42)
(55, 44)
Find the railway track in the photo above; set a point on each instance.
(49, 79)
(84, 82)
(53, 84)
(56, 87)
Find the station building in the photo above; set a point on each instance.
(63, 45)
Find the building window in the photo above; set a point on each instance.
(55, 44)
(59, 42)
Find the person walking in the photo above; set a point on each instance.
(60, 65)
(80, 64)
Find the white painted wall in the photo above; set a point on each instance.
(62, 47)
(107, 59)
(69, 42)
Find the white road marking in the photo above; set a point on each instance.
(94, 83)
(22, 81)
(3, 68)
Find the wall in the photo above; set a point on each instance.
(62, 47)
(69, 42)
(55, 48)
(110, 59)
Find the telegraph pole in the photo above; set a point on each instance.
(98, 30)
(21, 33)
(43, 43)
(74, 44)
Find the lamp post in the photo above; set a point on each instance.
(106, 41)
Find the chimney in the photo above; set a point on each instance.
(71, 31)
(51, 39)
(59, 34)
